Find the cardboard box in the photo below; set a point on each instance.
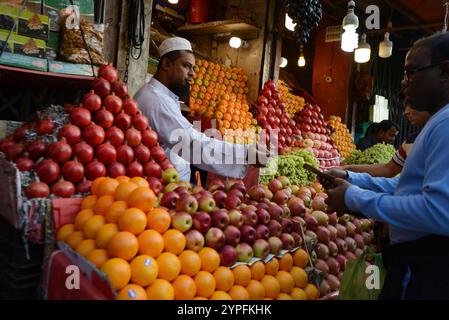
(8, 18)
(33, 25)
(71, 68)
(30, 5)
(29, 46)
(52, 8)
(21, 61)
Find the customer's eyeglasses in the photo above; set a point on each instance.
(408, 74)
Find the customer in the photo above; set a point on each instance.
(383, 132)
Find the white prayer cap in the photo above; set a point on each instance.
(174, 44)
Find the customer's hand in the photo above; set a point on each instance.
(336, 197)
(336, 173)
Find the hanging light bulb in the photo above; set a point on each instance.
(301, 60)
(173, 1)
(235, 42)
(386, 47)
(349, 40)
(363, 52)
(350, 21)
(289, 24)
(284, 62)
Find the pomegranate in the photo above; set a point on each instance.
(106, 153)
(59, 151)
(158, 154)
(80, 117)
(68, 107)
(134, 169)
(140, 122)
(122, 120)
(19, 134)
(6, 144)
(48, 171)
(142, 153)
(166, 164)
(125, 154)
(72, 171)
(94, 170)
(104, 118)
(91, 101)
(113, 103)
(108, 72)
(45, 127)
(83, 186)
(14, 152)
(115, 136)
(83, 152)
(130, 106)
(71, 133)
(120, 89)
(36, 149)
(101, 86)
(64, 189)
(24, 164)
(93, 135)
(37, 190)
(116, 170)
(133, 137)
(149, 138)
(152, 169)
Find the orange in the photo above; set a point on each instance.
(298, 294)
(98, 257)
(210, 259)
(169, 266)
(151, 243)
(133, 220)
(284, 296)
(205, 284)
(82, 217)
(65, 231)
(300, 258)
(92, 225)
(107, 187)
(74, 239)
(105, 234)
(312, 292)
(123, 245)
(132, 292)
(299, 277)
(141, 182)
(257, 270)
(118, 272)
(239, 293)
(121, 179)
(124, 190)
(103, 203)
(88, 202)
(272, 287)
(190, 262)
(159, 220)
(115, 211)
(85, 247)
(286, 262)
(224, 279)
(255, 290)
(199, 298)
(272, 267)
(242, 275)
(174, 241)
(220, 295)
(142, 198)
(185, 288)
(160, 289)
(285, 281)
(144, 270)
(96, 185)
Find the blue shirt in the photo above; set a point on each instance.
(417, 203)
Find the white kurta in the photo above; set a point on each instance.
(182, 142)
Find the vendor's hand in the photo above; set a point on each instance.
(258, 155)
(337, 173)
(336, 197)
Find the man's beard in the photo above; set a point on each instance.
(181, 90)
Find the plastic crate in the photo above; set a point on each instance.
(65, 211)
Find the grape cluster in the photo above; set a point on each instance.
(379, 153)
(306, 14)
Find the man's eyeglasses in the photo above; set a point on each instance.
(410, 73)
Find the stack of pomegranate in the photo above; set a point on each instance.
(270, 114)
(317, 136)
(105, 135)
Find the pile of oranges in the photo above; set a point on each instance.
(293, 103)
(220, 92)
(129, 239)
(342, 138)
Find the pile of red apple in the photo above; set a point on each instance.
(269, 111)
(317, 136)
(105, 135)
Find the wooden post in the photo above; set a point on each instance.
(111, 30)
(137, 70)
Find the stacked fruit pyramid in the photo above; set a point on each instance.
(219, 92)
(293, 103)
(341, 136)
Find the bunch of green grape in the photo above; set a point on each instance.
(379, 153)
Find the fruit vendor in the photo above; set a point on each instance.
(383, 132)
(415, 205)
(159, 101)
